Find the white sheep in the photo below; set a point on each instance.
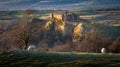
(31, 47)
(103, 50)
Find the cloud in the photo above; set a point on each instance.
(85, 3)
(40, 2)
(54, 4)
(7, 2)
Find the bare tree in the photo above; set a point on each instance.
(25, 33)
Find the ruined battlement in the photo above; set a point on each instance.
(65, 16)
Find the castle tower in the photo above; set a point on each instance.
(51, 16)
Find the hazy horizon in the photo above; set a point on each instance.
(56, 4)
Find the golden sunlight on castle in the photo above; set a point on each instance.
(65, 16)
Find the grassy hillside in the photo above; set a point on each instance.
(19, 14)
(32, 58)
(106, 30)
(110, 31)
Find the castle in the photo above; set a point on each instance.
(65, 16)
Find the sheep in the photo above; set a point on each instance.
(31, 47)
(103, 50)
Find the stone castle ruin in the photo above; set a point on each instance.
(65, 16)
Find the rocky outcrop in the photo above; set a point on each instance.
(81, 30)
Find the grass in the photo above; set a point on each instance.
(57, 59)
(91, 16)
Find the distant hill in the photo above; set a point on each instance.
(56, 4)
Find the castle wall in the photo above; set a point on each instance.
(66, 17)
(57, 16)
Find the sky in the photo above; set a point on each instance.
(56, 4)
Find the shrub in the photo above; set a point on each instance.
(63, 48)
(93, 42)
(115, 47)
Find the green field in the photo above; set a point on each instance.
(57, 59)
